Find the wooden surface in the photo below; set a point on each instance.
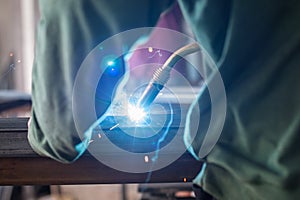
(20, 165)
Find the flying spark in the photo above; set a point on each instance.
(150, 49)
(91, 141)
(115, 126)
(146, 158)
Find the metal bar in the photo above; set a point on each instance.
(20, 165)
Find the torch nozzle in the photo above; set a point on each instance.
(162, 75)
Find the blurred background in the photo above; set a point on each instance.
(18, 21)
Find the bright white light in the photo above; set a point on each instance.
(110, 63)
(136, 114)
(150, 49)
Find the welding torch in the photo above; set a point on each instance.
(162, 75)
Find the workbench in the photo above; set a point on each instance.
(20, 165)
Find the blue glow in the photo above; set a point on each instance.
(113, 69)
(161, 139)
(164, 135)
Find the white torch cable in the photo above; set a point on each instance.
(162, 74)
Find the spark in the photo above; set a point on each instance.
(156, 52)
(110, 63)
(135, 113)
(150, 49)
(146, 158)
(91, 141)
(115, 126)
(184, 180)
(19, 61)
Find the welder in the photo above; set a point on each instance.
(256, 46)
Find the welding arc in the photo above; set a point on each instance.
(162, 75)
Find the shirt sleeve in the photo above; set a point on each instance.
(67, 32)
(256, 48)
